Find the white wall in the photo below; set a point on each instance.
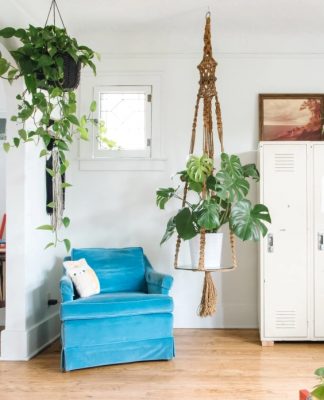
(3, 108)
(32, 274)
(110, 208)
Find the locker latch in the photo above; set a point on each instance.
(320, 241)
(270, 242)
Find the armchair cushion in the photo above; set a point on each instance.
(115, 305)
(156, 281)
(118, 270)
(67, 290)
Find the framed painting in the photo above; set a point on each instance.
(291, 116)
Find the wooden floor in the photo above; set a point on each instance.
(210, 364)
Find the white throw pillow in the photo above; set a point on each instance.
(83, 277)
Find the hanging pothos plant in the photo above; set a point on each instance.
(49, 62)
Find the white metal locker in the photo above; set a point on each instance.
(318, 242)
(285, 249)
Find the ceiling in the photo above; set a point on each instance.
(272, 18)
(240, 15)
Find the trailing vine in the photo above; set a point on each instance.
(47, 109)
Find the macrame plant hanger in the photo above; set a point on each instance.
(207, 93)
(55, 193)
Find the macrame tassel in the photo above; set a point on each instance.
(209, 297)
(58, 196)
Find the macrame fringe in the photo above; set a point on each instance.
(57, 189)
(209, 297)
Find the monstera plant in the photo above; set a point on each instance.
(49, 62)
(218, 198)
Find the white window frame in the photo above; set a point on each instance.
(90, 157)
(147, 91)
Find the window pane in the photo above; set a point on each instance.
(124, 117)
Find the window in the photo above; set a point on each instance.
(126, 112)
(129, 104)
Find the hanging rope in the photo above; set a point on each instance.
(207, 91)
(53, 9)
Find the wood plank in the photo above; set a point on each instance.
(209, 364)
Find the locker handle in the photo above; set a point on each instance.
(270, 242)
(320, 242)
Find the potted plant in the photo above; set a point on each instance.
(215, 199)
(49, 61)
(318, 391)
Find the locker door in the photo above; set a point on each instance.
(285, 265)
(318, 174)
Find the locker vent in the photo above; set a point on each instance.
(286, 319)
(284, 162)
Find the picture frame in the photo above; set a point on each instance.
(291, 117)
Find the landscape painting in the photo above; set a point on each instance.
(291, 117)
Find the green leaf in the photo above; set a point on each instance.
(51, 204)
(23, 134)
(163, 195)
(45, 228)
(16, 141)
(185, 224)
(51, 172)
(246, 222)
(93, 106)
(66, 221)
(318, 392)
(251, 171)
(6, 147)
(56, 92)
(84, 134)
(31, 83)
(66, 185)
(199, 168)
(7, 32)
(67, 244)
(319, 372)
(4, 66)
(43, 153)
(209, 216)
(171, 226)
(51, 244)
(73, 119)
(231, 187)
(45, 61)
(232, 165)
(62, 145)
(195, 186)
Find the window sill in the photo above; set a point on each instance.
(122, 164)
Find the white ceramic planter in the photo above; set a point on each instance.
(213, 250)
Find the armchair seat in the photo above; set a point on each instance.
(106, 305)
(129, 320)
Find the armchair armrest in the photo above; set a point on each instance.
(66, 287)
(157, 282)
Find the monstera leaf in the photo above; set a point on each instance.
(232, 165)
(231, 187)
(208, 215)
(199, 168)
(171, 226)
(247, 222)
(163, 195)
(184, 223)
(251, 171)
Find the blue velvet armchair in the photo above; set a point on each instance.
(130, 320)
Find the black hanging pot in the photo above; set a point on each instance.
(71, 77)
(71, 73)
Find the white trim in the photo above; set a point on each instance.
(156, 162)
(125, 164)
(22, 345)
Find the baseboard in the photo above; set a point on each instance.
(22, 345)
